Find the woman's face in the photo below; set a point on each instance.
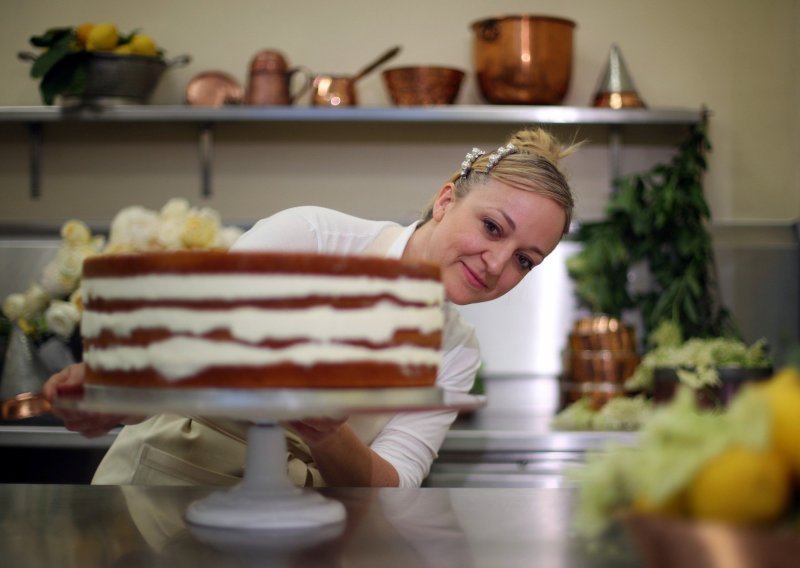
(487, 241)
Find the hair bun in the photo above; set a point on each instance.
(539, 141)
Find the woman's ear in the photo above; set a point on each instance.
(444, 199)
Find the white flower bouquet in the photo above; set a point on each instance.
(52, 306)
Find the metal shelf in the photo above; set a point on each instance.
(36, 116)
(465, 114)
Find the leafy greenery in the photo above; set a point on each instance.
(656, 219)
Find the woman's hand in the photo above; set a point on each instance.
(69, 381)
(315, 431)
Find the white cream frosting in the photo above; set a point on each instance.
(181, 357)
(319, 323)
(258, 286)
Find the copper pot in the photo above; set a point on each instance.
(523, 59)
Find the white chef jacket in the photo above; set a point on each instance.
(409, 441)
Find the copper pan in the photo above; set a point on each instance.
(340, 90)
(25, 405)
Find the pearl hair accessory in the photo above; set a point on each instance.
(469, 159)
(499, 154)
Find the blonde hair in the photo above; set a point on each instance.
(533, 166)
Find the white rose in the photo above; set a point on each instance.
(227, 237)
(134, 228)
(169, 233)
(36, 299)
(75, 233)
(76, 299)
(201, 228)
(175, 208)
(70, 262)
(52, 281)
(62, 318)
(14, 306)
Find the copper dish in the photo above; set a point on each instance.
(213, 89)
(423, 85)
(25, 405)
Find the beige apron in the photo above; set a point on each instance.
(169, 449)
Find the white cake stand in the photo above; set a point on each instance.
(266, 499)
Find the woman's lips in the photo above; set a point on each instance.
(472, 278)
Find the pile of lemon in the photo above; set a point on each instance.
(745, 485)
(106, 37)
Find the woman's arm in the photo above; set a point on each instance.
(342, 458)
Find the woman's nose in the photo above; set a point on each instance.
(495, 259)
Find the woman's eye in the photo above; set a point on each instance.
(525, 263)
(491, 227)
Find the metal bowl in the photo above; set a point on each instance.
(423, 85)
(732, 379)
(122, 78)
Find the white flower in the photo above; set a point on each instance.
(170, 233)
(76, 299)
(52, 281)
(36, 299)
(62, 318)
(201, 228)
(75, 233)
(14, 306)
(227, 237)
(175, 208)
(134, 228)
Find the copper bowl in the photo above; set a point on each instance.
(423, 85)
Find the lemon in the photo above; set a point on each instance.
(82, 32)
(124, 49)
(143, 45)
(783, 395)
(742, 486)
(102, 37)
(675, 506)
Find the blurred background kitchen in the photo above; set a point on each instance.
(739, 60)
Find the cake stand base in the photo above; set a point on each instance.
(266, 498)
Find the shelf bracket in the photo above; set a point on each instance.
(206, 151)
(614, 154)
(35, 159)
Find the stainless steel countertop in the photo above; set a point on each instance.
(516, 419)
(77, 526)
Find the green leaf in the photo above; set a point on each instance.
(67, 74)
(60, 49)
(50, 37)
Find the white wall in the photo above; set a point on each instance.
(739, 58)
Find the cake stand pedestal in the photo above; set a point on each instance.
(266, 499)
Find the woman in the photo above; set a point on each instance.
(489, 225)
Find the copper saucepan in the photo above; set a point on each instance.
(340, 90)
(25, 405)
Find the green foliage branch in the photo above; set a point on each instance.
(658, 219)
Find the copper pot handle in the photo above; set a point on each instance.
(308, 77)
(489, 29)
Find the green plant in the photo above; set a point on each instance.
(656, 220)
